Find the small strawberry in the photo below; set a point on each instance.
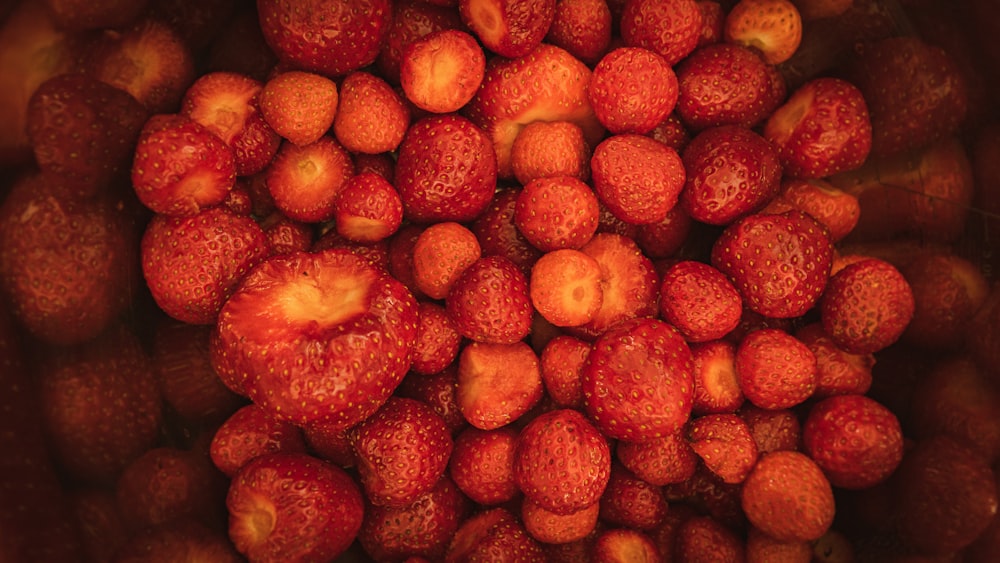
(285, 235)
(630, 502)
(709, 495)
(731, 173)
(725, 444)
(838, 210)
(482, 464)
(304, 180)
(437, 342)
(443, 251)
(660, 461)
(329, 443)
(666, 238)
(509, 28)
(703, 538)
(723, 71)
(545, 149)
(490, 302)
(699, 301)
(498, 233)
(713, 22)
(440, 391)
(647, 78)
(772, 429)
(411, 20)
(293, 507)
(561, 360)
(716, 385)
(556, 212)
(670, 28)
(497, 383)
(495, 533)
(248, 433)
(621, 545)
(775, 369)
(788, 497)
(838, 372)
(773, 27)
(561, 461)
(441, 71)
(552, 528)
(371, 116)
(582, 27)
(565, 287)
(298, 105)
(367, 209)
(637, 193)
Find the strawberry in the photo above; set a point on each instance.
(866, 306)
(772, 429)
(660, 461)
(731, 173)
(509, 28)
(565, 287)
(493, 534)
(716, 385)
(630, 502)
(402, 451)
(437, 342)
(762, 547)
(547, 84)
(238, 46)
(422, 528)
(838, 210)
(703, 538)
(443, 251)
(440, 391)
(550, 148)
(490, 303)
(304, 180)
(498, 234)
(822, 129)
(293, 507)
(446, 170)
(441, 71)
(775, 369)
(725, 445)
(855, 440)
(773, 27)
(552, 528)
(713, 22)
(193, 264)
(251, 432)
(638, 380)
(779, 263)
(561, 360)
(647, 78)
(357, 323)
(670, 29)
(298, 105)
(723, 71)
(196, 23)
(371, 116)
(329, 443)
(82, 131)
(637, 194)
(947, 291)
(482, 464)
(838, 372)
(497, 383)
(228, 104)
(620, 545)
(367, 209)
(177, 540)
(411, 20)
(699, 301)
(709, 495)
(561, 461)
(323, 36)
(556, 212)
(819, 9)
(581, 27)
(375, 253)
(286, 235)
(665, 238)
(66, 267)
(788, 498)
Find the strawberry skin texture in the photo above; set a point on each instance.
(788, 497)
(490, 303)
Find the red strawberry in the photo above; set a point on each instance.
(621, 545)
(666, 238)
(838, 372)
(552, 528)
(547, 84)
(326, 37)
(329, 443)
(371, 116)
(703, 538)
(367, 209)
(772, 429)
(731, 173)
(561, 360)
(66, 268)
(630, 502)
(285, 234)
(545, 149)
(178, 540)
(498, 234)
(838, 210)
(304, 180)
(482, 464)
(357, 324)
(446, 170)
(716, 385)
(762, 547)
(779, 263)
(822, 129)
(238, 46)
(556, 212)
(180, 166)
(670, 29)
(775, 369)
(443, 251)
(489, 302)
(228, 104)
(562, 462)
(638, 178)
(493, 534)
(293, 507)
(723, 84)
(866, 306)
(651, 87)
(725, 444)
(582, 27)
(708, 494)
(411, 20)
(300, 106)
(855, 440)
(565, 287)
(699, 301)
(660, 461)
(497, 383)
(437, 343)
(638, 382)
(441, 71)
(251, 432)
(788, 498)
(82, 131)
(440, 391)
(773, 27)
(509, 28)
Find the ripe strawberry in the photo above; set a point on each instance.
(552, 528)
(651, 85)
(411, 20)
(399, 256)
(497, 383)
(547, 84)
(731, 173)
(300, 106)
(304, 180)
(421, 529)
(855, 440)
(699, 301)
(838, 372)
(638, 381)
(66, 268)
(666, 238)
(490, 303)
(443, 252)
(375, 253)
(493, 534)
(630, 502)
(446, 170)
(293, 507)
(441, 71)
(866, 306)
(509, 28)
(788, 498)
(561, 461)
(285, 235)
(371, 116)
(323, 36)
(947, 291)
(238, 46)
(556, 212)
(779, 263)
(228, 104)
(713, 22)
(708, 494)
(358, 324)
(565, 287)
(251, 432)
(620, 545)
(822, 129)
(775, 369)
(634, 193)
(367, 209)
(716, 385)
(723, 71)
(177, 540)
(772, 429)
(482, 464)
(82, 131)
(329, 443)
(437, 343)
(670, 29)
(498, 234)
(761, 547)
(703, 538)
(440, 391)
(583, 28)
(773, 27)
(180, 166)
(838, 210)
(660, 461)
(724, 443)
(545, 149)
(561, 360)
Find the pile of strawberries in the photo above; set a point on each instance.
(499, 280)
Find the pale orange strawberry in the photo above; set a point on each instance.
(565, 287)
(497, 383)
(561, 360)
(371, 117)
(550, 148)
(716, 385)
(618, 545)
(441, 254)
(304, 180)
(441, 71)
(367, 209)
(509, 28)
(299, 105)
(788, 497)
(773, 27)
(557, 212)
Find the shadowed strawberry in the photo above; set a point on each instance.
(819, 9)
(78, 16)
(788, 497)
(411, 20)
(773, 27)
(355, 325)
(372, 117)
(556, 212)
(725, 444)
(300, 106)
(482, 464)
(184, 539)
(324, 36)
(838, 372)
(660, 461)
(621, 545)
(565, 287)
(442, 253)
(497, 383)
(838, 210)
(498, 233)
(703, 538)
(761, 547)
(546, 149)
(699, 301)
(637, 194)
(552, 528)
(709, 495)
(775, 369)
(441, 71)
(251, 432)
(716, 385)
(438, 342)
(490, 302)
(495, 533)
(440, 391)
(509, 28)
(947, 291)
(239, 46)
(561, 360)
(669, 28)
(293, 507)
(647, 78)
(582, 27)
(101, 525)
(630, 502)
(666, 238)
(772, 429)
